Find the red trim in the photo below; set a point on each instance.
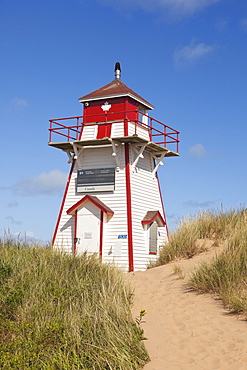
(152, 252)
(157, 214)
(101, 233)
(104, 130)
(75, 232)
(129, 211)
(93, 200)
(63, 201)
(83, 118)
(126, 129)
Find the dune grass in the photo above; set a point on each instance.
(226, 274)
(64, 312)
(187, 240)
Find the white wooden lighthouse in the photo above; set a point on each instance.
(112, 204)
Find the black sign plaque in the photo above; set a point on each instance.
(92, 180)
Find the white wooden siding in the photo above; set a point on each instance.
(117, 129)
(145, 197)
(116, 225)
(89, 132)
(139, 130)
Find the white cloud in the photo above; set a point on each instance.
(12, 204)
(198, 151)
(13, 221)
(191, 53)
(45, 183)
(222, 24)
(175, 7)
(195, 203)
(18, 103)
(243, 24)
(29, 234)
(28, 237)
(4, 187)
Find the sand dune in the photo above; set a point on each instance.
(186, 330)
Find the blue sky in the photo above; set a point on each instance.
(186, 57)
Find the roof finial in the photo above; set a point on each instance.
(117, 71)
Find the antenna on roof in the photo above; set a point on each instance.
(117, 71)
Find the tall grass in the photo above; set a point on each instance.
(226, 275)
(184, 242)
(64, 312)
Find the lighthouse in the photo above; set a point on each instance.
(112, 204)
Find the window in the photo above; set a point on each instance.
(153, 238)
(141, 116)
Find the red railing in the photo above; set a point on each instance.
(159, 133)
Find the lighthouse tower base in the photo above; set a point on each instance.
(126, 225)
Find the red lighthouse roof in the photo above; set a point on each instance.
(115, 89)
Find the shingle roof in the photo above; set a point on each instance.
(115, 88)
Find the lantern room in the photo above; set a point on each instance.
(111, 103)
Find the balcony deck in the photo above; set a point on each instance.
(159, 138)
(151, 146)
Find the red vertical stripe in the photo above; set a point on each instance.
(75, 232)
(126, 130)
(101, 233)
(129, 210)
(104, 130)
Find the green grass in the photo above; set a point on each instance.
(214, 225)
(64, 312)
(226, 274)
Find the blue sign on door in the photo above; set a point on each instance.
(122, 236)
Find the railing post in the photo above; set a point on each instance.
(151, 128)
(77, 128)
(126, 126)
(50, 136)
(81, 128)
(136, 120)
(164, 136)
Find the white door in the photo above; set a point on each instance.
(87, 233)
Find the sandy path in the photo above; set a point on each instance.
(186, 330)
